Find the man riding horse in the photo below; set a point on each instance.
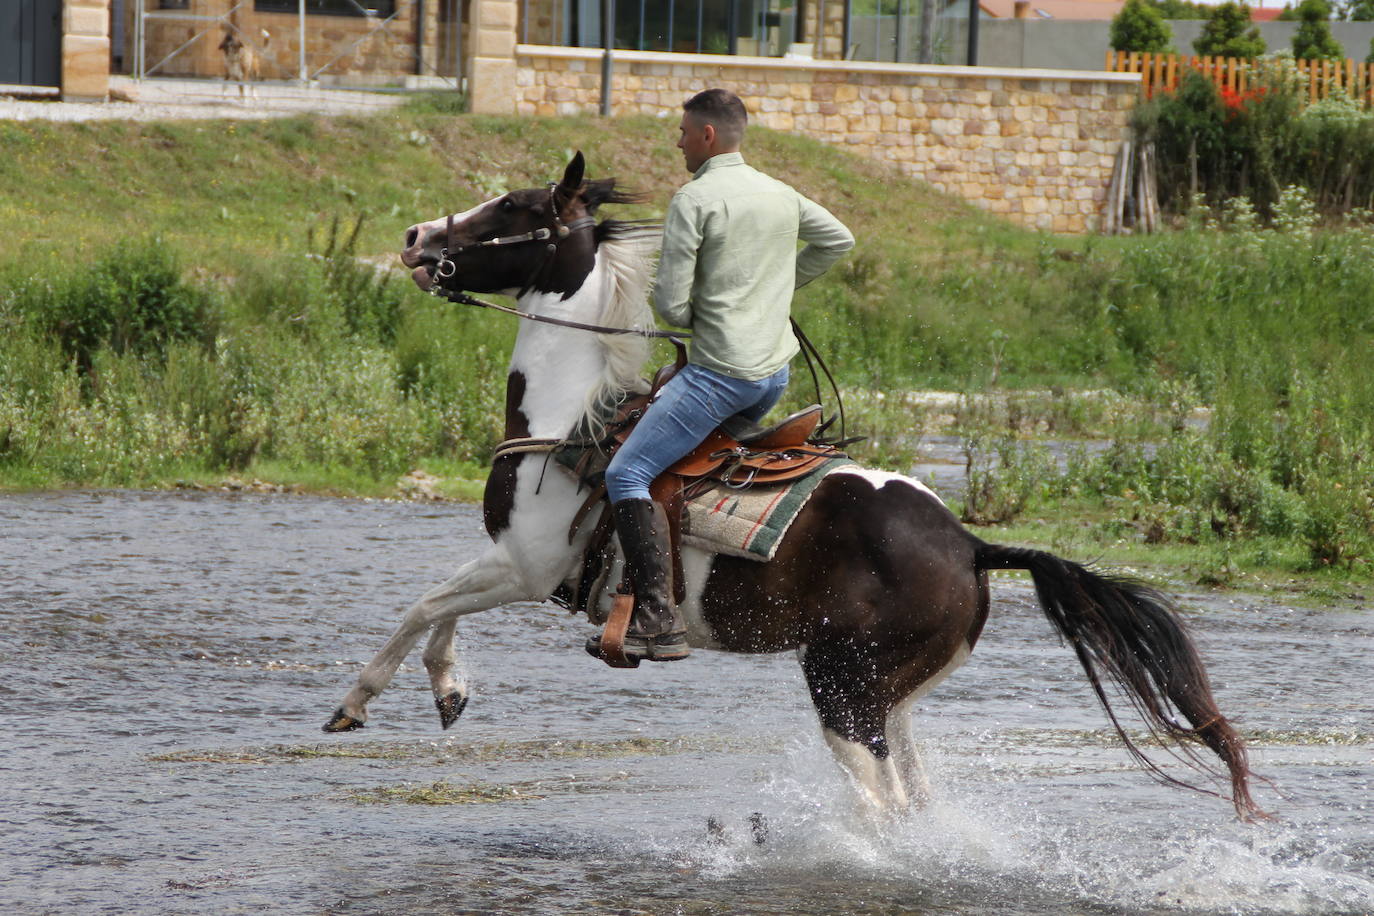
(728, 269)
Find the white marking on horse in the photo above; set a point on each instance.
(880, 479)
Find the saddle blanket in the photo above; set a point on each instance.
(750, 523)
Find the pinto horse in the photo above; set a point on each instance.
(876, 586)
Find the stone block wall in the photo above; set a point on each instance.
(1036, 146)
(86, 50)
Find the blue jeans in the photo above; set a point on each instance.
(693, 403)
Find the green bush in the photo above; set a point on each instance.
(1140, 27)
(1229, 32)
(1313, 39)
(1221, 145)
(132, 300)
(1004, 478)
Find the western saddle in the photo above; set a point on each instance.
(737, 455)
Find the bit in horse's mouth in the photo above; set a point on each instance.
(423, 277)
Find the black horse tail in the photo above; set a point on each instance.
(1133, 634)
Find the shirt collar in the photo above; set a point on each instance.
(719, 161)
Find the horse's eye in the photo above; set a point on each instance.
(507, 205)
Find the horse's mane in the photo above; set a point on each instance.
(625, 249)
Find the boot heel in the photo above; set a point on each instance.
(669, 651)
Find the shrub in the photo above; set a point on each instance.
(1003, 478)
(1225, 145)
(1313, 39)
(1180, 9)
(133, 300)
(1229, 32)
(1140, 27)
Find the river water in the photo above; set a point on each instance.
(169, 659)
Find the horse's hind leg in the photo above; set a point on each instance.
(484, 583)
(450, 693)
(873, 772)
(905, 756)
(854, 721)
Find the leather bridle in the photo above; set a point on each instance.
(554, 234)
(557, 232)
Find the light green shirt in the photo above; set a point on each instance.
(730, 265)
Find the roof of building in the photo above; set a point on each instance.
(1053, 9)
(1086, 9)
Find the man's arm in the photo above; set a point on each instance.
(677, 264)
(826, 239)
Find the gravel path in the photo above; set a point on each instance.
(172, 99)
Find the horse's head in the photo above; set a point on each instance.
(537, 238)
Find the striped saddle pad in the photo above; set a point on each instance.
(750, 523)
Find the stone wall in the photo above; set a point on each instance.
(86, 50)
(1037, 146)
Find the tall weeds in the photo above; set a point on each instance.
(131, 374)
(135, 370)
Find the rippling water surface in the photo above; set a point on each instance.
(168, 660)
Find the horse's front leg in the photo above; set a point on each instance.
(487, 582)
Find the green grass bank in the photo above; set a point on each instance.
(186, 301)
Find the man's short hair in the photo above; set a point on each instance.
(723, 110)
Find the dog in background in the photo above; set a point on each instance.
(243, 61)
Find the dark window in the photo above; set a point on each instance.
(171, 4)
(378, 8)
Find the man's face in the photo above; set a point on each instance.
(695, 141)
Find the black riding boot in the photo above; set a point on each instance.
(656, 630)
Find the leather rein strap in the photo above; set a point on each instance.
(465, 299)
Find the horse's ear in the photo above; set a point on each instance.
(572, 175)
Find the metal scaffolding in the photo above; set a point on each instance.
(439, 63)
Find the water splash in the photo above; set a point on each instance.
(986, 839)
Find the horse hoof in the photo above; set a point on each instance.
(758, 826)
(342, 722)
(451, 707)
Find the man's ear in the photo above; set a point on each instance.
(708, 133)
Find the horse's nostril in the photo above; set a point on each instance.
(411, 235)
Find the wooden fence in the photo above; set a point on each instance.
(1163, 72)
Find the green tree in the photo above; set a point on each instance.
(1182, 9)
(1313, 40)
(1355, 10)
(1229, 32)
(1140, 27)
(1370, 58)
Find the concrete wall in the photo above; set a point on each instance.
(1037, 146)
(1354, 37)
(1083, 45)
(1060, 44)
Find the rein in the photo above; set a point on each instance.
(465, 299)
